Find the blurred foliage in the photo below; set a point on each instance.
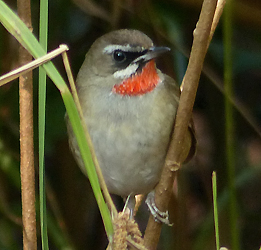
(73, 213)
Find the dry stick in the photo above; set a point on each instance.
(32, 65)
(218, 13)
(187, 98)
(106, 194)
(26, 140)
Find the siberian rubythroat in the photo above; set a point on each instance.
(129, 107)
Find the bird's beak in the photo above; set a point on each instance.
(151, 53)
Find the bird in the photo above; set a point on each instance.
(129, 107)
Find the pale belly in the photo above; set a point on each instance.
(130, 156)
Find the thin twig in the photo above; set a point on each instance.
(218, 13)
(187, 98)
(88, 138)
(32, 65)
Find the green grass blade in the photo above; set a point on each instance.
(19, 30)
(214, 187)
(41, 118)
(230, 124)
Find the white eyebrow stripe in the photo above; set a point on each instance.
(127, 72)
(127, 48)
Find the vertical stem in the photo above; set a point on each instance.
(230, 126)
(43, 32)
(26, 140)
(215, 206)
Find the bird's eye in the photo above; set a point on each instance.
(119, 56)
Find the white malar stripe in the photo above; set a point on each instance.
(127, 72)
(127, 48)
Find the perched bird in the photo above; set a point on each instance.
(129, 107)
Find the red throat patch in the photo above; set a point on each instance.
(139, 84)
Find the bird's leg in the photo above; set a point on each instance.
(158, 215)
(138, 198)
(130, 204)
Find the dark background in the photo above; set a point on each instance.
(74, 219)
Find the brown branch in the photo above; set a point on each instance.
(187, 98)
(26, 140)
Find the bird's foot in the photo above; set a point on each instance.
(129, 206)
(158, 215)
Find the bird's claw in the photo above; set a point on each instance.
(158, 215)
